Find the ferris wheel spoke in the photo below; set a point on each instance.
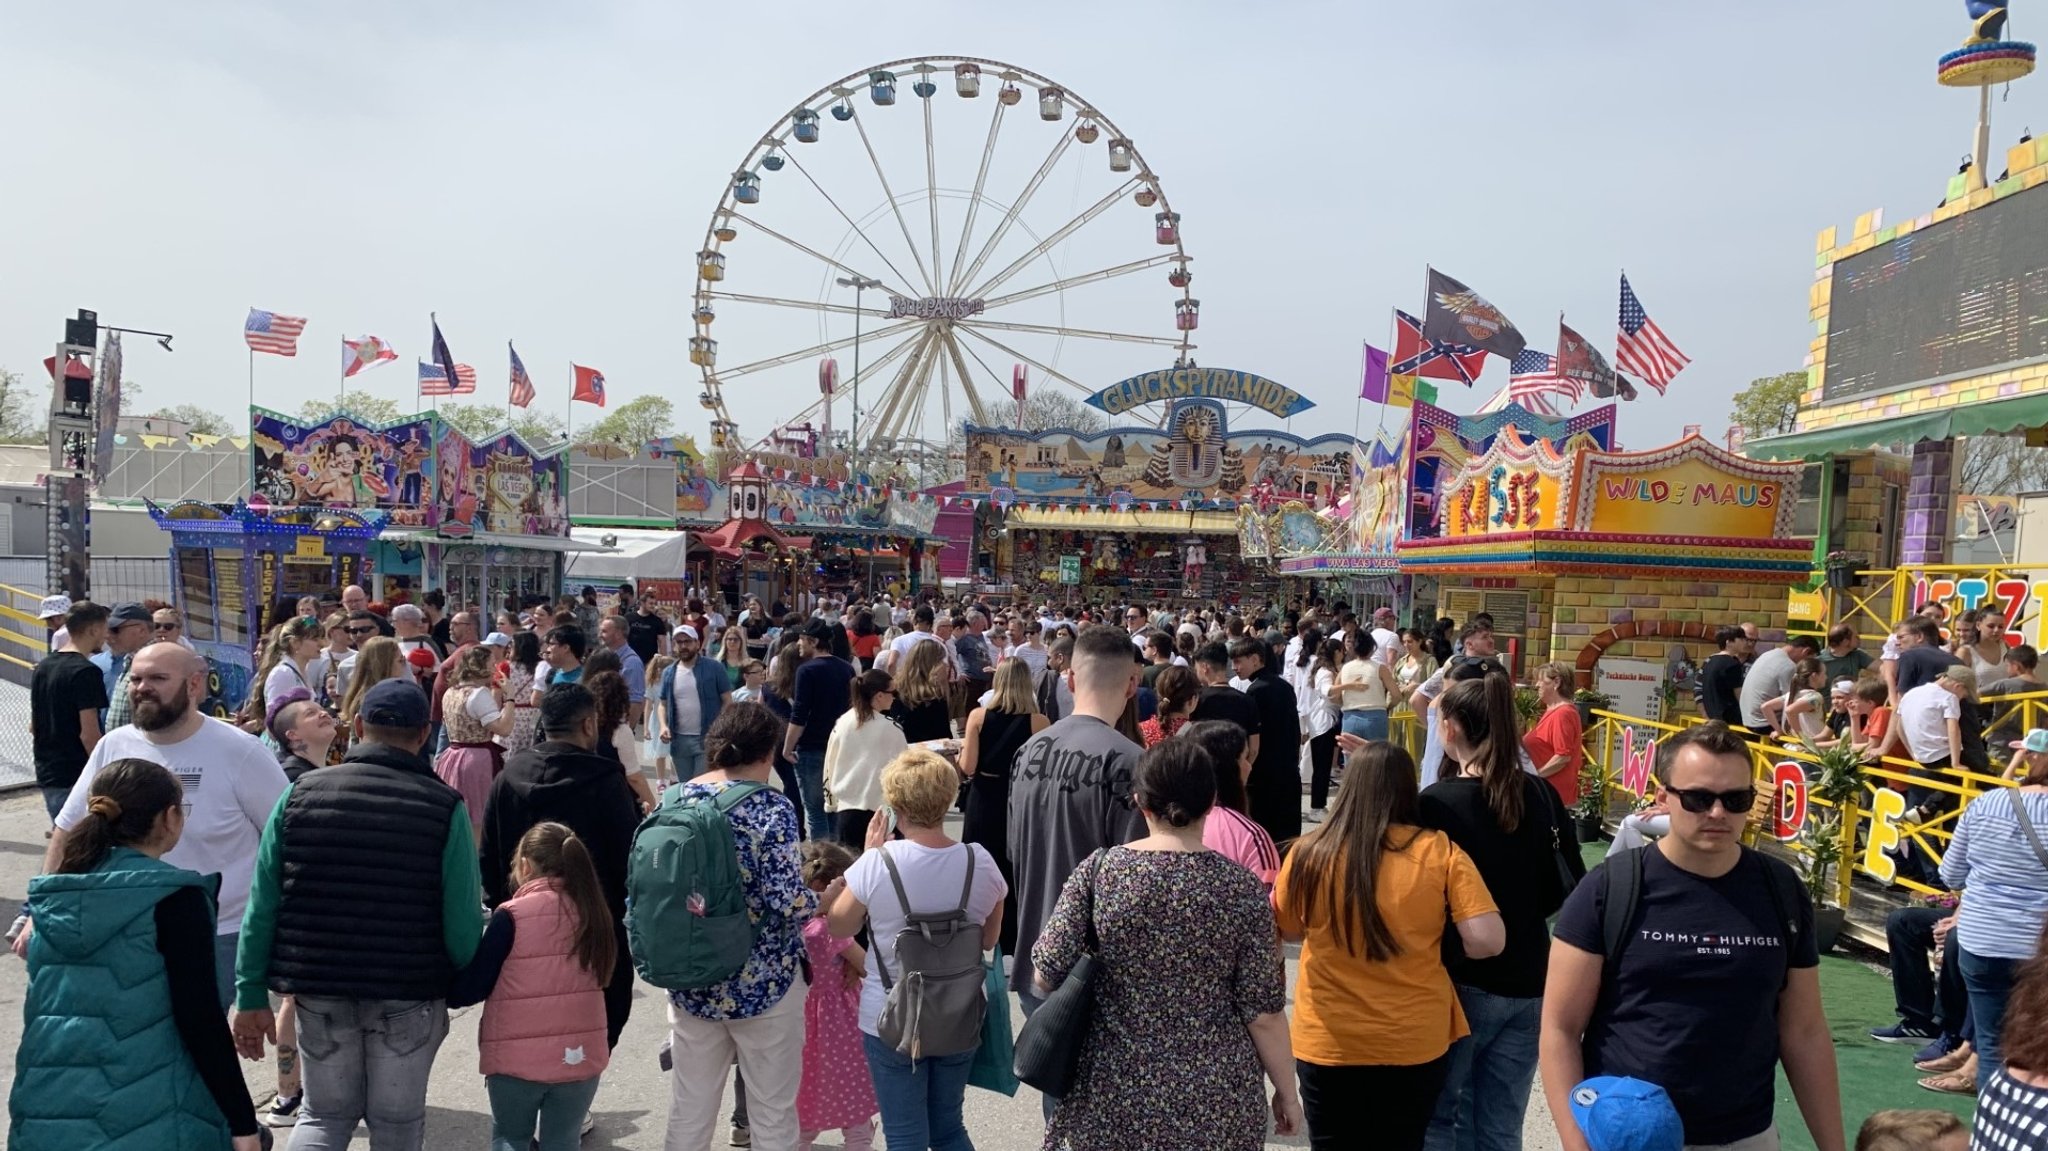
(895, 209)
(931, 191)
(1052, 158)
(805, 305)
(1052, 240)
(857, 230)
(988, 151)
(818, 350)
(1050, 371)
(1078, 333)
(1066, 282)
(771, 233)
(974, 403)
(902, 392)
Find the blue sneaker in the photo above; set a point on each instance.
(1902, 1033)
(1940, 1046)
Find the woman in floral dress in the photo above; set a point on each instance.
(1188, 1004)
(519, 694)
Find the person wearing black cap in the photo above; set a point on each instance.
(823, 693)
(384, 906)
(129, 627)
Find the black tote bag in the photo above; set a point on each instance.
(1049, 1046)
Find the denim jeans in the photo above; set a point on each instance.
(921, 1102)
(1366, 724)
(810, 779)
(686, 755)
(1486, 1090)
(560, 1107)
(53, 800)
(1989, 980)
(366, 1061)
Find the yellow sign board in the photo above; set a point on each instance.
(309, 548)
(1687, 497)
(1504, 499)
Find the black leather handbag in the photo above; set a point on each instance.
(1049, 1046)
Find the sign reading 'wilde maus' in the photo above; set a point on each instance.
(1201, 384)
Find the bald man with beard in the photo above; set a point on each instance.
(231, 784)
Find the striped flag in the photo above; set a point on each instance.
(522, 384)
(272, 333)
(1537, 403)
(434, 381)
(1533, 372)
(1643, 350)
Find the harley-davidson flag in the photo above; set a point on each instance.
(1458, 315)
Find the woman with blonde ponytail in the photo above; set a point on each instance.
(124, 945)
(289, 648)
(1514, 827)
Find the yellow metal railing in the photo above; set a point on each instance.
(1931, 835)
(1882, 597)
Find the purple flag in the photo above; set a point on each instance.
(1374, 385)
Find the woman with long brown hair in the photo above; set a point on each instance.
(540, 972)
(1369, 893)
(994, 735)
(863, 741)
(614, 734)
(921, 705)
(474, 712)
(1515, 829)
(1178, 690)
(125, 938)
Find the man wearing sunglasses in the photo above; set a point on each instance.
(1703, 982)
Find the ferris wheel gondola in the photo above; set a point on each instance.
(934, 315)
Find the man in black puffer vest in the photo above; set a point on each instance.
(365, 903)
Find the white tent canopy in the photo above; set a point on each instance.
(641, 554)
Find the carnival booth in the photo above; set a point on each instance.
(1621, 564)
(747, 555)
(1150, 511)
(236, 568)
(1347, 552)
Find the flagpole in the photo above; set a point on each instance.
(252, 382)
(569, 408)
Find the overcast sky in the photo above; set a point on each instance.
(544, 173)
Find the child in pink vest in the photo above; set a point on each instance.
(540, 974)
(836, 1091)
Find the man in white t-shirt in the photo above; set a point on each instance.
(921, 632)
(231, 783)
(1386, 641)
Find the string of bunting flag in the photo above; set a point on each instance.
(968, 503)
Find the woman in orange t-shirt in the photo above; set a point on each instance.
(1554, 742)
(1374, 1010)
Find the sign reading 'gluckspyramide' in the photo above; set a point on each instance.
(1201, 384)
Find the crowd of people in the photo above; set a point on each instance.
(424, 807)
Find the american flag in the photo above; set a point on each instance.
(1643, 350)
(272, 333)
(522, 384)
(1537, 403)
(434, 381)
(1533, 372)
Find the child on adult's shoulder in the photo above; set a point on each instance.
(542, 1043)
(1920, 1130)
(836, 1092)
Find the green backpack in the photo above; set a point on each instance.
(686, 915)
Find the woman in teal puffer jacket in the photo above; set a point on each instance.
(123, 1045)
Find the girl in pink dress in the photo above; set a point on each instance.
(836, 1091)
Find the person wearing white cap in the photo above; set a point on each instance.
(53, 609)
(685, 715)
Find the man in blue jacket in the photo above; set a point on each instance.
(684, 716)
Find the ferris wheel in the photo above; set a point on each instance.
(910, 247)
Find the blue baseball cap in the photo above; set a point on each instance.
(395, 703)
(1619, 1114)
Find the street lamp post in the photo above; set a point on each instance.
(859, 284)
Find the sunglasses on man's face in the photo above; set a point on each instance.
(361, 630)
(1700, 801)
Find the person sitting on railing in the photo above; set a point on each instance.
(2018, 677)
(1939, 728)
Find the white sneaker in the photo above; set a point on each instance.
(1317, 814)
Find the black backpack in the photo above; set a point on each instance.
(1621, 878)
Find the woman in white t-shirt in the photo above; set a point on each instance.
(1806, 709)
(918, 788)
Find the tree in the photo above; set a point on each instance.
(205, 421)
(363, 405)
(482, 421)
(1768, 406)
(1046, 409)
(2000, 465)
(24, 410)
(632, 424)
